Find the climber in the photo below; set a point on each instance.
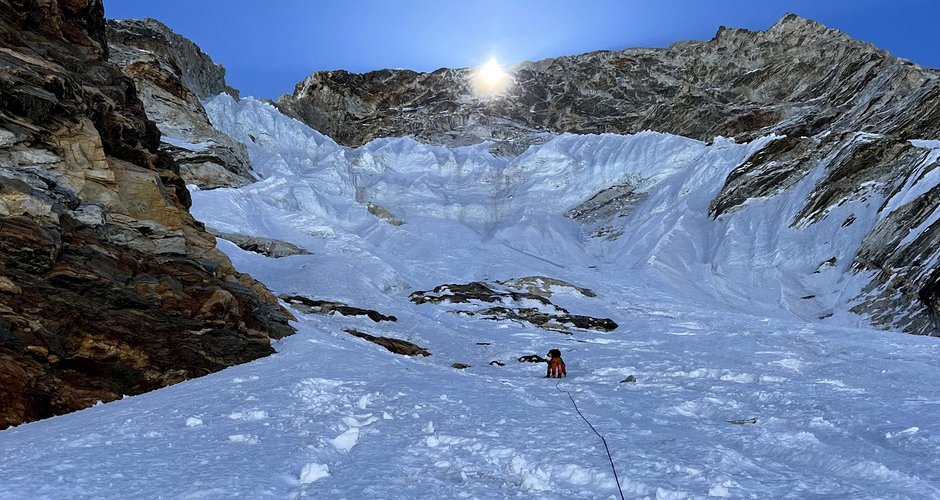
(556, 366)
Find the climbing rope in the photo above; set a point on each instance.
(606, 448)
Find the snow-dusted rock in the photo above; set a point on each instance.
(797, 78)
(172, 74)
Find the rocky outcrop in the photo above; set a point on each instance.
(108, 287)
(532, 358)
(901, 251)
(172, 74)
(197, 72)
(523, 299)
(268, 247)
(600, 211)
(326, 307)
(798, 79)
(396, 346)
(545, 286)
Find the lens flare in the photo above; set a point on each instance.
(491, 78)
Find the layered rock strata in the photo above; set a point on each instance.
(108, 287)
(172, 74)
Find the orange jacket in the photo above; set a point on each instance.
(556, 368)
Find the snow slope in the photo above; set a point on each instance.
(713, 324)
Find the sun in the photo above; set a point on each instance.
(491, 78)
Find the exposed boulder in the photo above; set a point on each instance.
(108, 286)
(326, 307)
(384, 214)
(172, 74)
(396, 346)
(265, 246)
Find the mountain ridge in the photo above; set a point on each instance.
(619, 91)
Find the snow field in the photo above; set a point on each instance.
(838, 423)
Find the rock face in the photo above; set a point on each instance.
(798, 78)
(268, 247)
(848, 117)
(108, 286)
(891, 176)
(197, 72)
(172, 74)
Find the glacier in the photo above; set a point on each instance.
(721, 321)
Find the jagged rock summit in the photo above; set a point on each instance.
(199, 74)
(797, 78)
(108, 286)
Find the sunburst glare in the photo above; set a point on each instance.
(490, 78)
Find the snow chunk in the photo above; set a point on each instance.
(359, 420)
(532, 478)
(313, 472)
(905, 432)
(249, 415)
(347, 440)
(193, 422)
(720, 490)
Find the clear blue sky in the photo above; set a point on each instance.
(269, 45)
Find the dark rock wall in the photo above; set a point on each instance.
(108, 286)
(900, 251)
